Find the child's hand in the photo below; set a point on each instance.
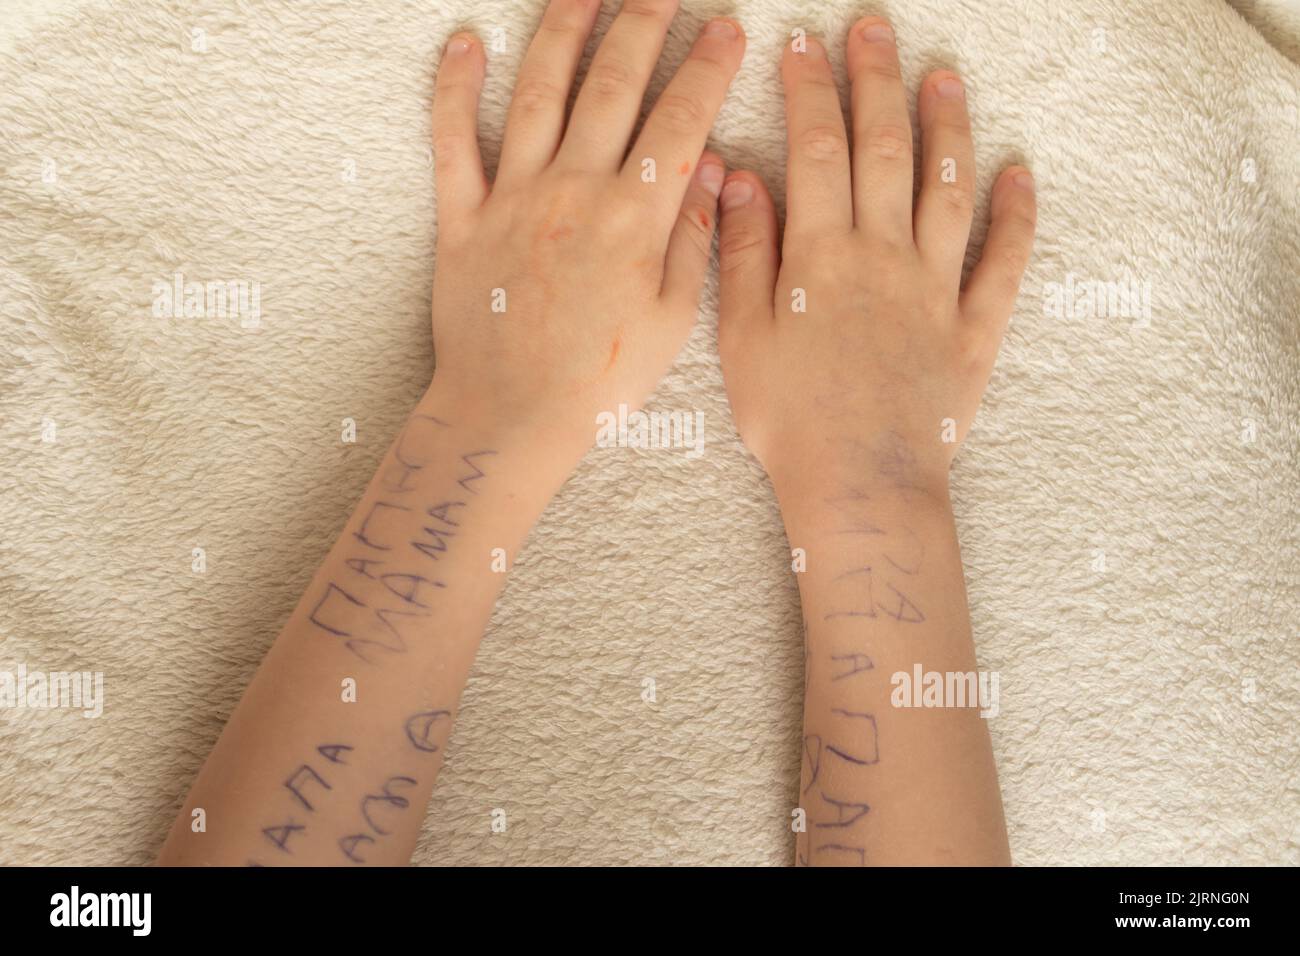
(570, 284)
(889, 345)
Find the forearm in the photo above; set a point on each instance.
(882, 593)
(331, 754)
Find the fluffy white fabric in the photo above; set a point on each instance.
(1148, 710)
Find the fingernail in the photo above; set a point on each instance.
(736, 193)
(877, 32)
(723, 29)
(1024, 179)
(711, 176)
(949, 88)
(460, 43)
(814, 50)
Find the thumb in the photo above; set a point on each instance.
(748, 259)
(687, 259)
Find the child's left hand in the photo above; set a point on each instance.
(849, 351)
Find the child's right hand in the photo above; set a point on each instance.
(569, 285)
(889, 345)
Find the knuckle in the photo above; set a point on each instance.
(680, 112)
(955, 198)
(1008, 285)
(699, 226)
(887, 141)
(1009, 265)
(886, 69)
(1024, 220)
(649, 9)
(954, 127)
(534, 94)
(561, 21)
(707, 70)
(1015, 235)
(972, 348)
(449, 144)
(1012, 260)
(452, 89)
(609, 77)
(817, 257)
(823, 141)
(619, 223)
(819, 82)
(737, 248)
(826, 249)
(890, 247)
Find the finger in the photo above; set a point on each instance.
(461, 185)
(943, 210)
(991, 290)
(882, 133)
(609, 102)
(535, 121)
(747, 256)
(678, 126)
(687, 259)
(818, 187)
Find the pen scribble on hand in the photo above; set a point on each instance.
(385, 630)
(850, 664)
(812, 752)
(332, 590)
(386, 797)
(854, 852)
(306, 775)
(387, 800)
(348, 844)
(362, 566)
(368, 535)
(847, 812)
(280, 835)
(421, 727)
(300, 778)
(407, 586)
(476, 471)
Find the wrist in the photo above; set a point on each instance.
(885, 470)
(814, 511)
(536, 455)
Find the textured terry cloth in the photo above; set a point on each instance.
(1127, 501)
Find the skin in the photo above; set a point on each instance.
(845, 404)
(599, 271)
(602, 270)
